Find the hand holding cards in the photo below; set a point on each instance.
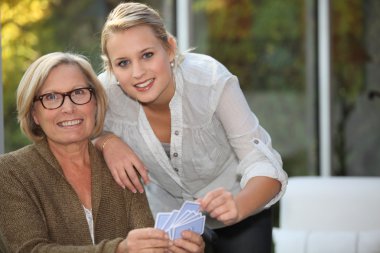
(176, 221)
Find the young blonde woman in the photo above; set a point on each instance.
(180, 123)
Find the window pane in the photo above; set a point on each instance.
(355, 73)
(264, 44)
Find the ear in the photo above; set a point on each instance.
(35, 118)
(173, 47)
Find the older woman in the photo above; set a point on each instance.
(57, 194)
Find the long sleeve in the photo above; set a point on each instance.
(251, 142)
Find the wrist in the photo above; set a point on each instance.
(106, 141)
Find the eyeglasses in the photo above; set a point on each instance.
(55, 100)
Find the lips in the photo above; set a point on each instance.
(144, 85)
(69, 123)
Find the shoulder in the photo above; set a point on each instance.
(19, 155)
(203, 79)
(203, 69)
(18, 162)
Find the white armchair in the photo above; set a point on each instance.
(329, 214)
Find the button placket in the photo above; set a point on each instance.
(175, 161)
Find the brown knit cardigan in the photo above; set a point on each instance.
(40, 211)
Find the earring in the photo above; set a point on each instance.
(172, 64)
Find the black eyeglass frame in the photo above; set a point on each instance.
(65, 94)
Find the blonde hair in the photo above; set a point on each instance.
(128, 15)
(34, 79)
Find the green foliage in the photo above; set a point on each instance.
(230, 35)
(18, 42)
(31, 28)
(258, 41)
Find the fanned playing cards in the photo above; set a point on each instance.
(186, 218)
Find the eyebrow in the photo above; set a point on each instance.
(140, 52)
(80, 86)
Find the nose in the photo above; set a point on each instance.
(68, 105)
(138, 70)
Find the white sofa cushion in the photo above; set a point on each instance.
(326, 241)
(329, 214)
(369, 241)
(331, 203)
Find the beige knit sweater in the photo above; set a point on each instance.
(40, 211)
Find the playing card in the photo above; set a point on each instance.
(186, 218)
(195, 225)
(161, 219)
(187, 206)
(176, 221)
(170, 220)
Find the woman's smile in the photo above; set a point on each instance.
(70, 123)
(144, 86)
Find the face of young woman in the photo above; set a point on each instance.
(142, 65)
(70, 123)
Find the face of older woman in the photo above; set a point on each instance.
(69, 123)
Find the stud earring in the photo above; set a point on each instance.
(172, 64)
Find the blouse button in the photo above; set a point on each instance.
(175, 154)
(176, 132)
(256, 141)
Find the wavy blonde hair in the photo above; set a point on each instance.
(128, 15)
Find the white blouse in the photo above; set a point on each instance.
(216, 140)
(90, 222)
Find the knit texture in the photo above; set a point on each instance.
(40, 211)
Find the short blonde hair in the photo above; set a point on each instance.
(34, 78)
(128, 15)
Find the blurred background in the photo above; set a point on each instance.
(307, 67)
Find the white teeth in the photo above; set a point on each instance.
(70, 123)
(144, 84)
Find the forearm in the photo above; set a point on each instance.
(255, 195)
(102, 140)
(124, 164)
